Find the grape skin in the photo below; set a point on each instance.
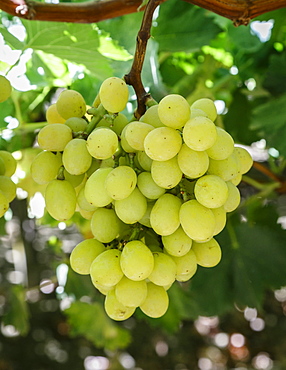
(131, 293)
(199, 133)
(132, 208)
(105, 269)
(166, 174)
(177, 244)
(198, 159)
(4, 204)
(148, 187)
(45, 167)
(54, 137)
(116, 310)
(174, 111)
(113, 94)
(102, 143)
(84, 254)
(157, 301)
(120, 182)
(95, 191)
(105, 225)
(71, 103)
(164, 271)
(208, 254)
(10, 163)
(211, 191)
(76, 158)
(5, 89)
(206, 105)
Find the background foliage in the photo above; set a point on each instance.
(226, 317)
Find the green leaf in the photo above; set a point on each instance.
(243, 40)
(275, 79)
(11, 40)
(183, 27)
(90, 321)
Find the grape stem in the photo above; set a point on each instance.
(133, 78)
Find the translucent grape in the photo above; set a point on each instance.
(144, 161)
(157, 301)
(206, 105)
(244, 159)
(95, 190)
(119, 122)
(4, 204)
(148, 187)
(132, 208)
(83, 203)
(76, 124)
(75, 180)
(113, 94)
(135, 133)
(5, 89)
(233, 199)
(151, 116)
(120, 182)
(105, 225)
(166, 174)
(8, 187)
(208, 254)
(116, 310)
(131, 293)
(227, 168)
(223, 145)
(105, 269)
(10, 163)
(174, 111)
(192, 163)
(84, 254)
(137, 260)
(220, 219)
(177, 244)
(102, 143)
(53, 116)
(76, 158)
(199, 133)
(145, 220)
(186, 266)
(71, 103)
(2, 167)
(211, 191)
(164, 271)
(54, 137)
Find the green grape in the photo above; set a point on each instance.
(132, 208)
(76, 158)
(95, 164)
(186, 266)
(120, 121)
(113, 94)
(75, 180)
(124, 143)
(244, 159)
(5, 89)
(95, 191)
(220, 219)
(8, 188)
(206, 105)
(162, 143)
(131, 293)
(222, 147)
(108, 162)
(144, 161)
(53, 116)
(145, 220)
(211, 191)
(233, 199)
(105, 268)
(54, 137)
(196, 112)
(71, 103)
(157, 301)
(102, 143)
(120, 182)
(116, 310)
(136, 261)
(197, 221)
(164, 216)
(164, 271)
(166, 174)
(83, 203)
(45, 167)
(135, 133)
(177, 244)
(105, 225)
(174, 111)
(103, 289)
(2, 166)
(237, 179)
(10, 163)
(87, 215)
(199, 133)
(76, 124)
(60, 198)
(151, 116)
(84, 254)
(4, 204)
(148, 187)
(208, 254)
(227, 168)
(192, 163)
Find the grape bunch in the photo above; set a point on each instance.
(156, 191)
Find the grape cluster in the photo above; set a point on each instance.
(156, 190)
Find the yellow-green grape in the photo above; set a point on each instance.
(162, 143)
(108, 162)
(105, 225)
(196, 112)
(174, 111)
(76, 124)
(54, 137)
(116, 310)
(197, 221)
(151, 116)
(233, 199)
(137, 261)
(237, 179)
(132, 208)
(103, 289)
(208, 254)
(166, 174)
(75, 180)
(199, 133)
(8, 187)
(53, 116)
(211, 191)
(135, 133)
(157, 301)
(5, 89)
(4, 204)
(45, 167)
(95, 191)
(124, 143)
(10, 163)
(120, 121)
(222, 147)
(113, 94)
(145, 220)
(192, 163)
(164, 271)
(76, 158)
(244, 159)
(120, 182)
(227, 168)
(144, 161)
(84, 254)
(2, 167)
(206, 105)
(177, 244)
(131, 293)
(71, 103)
(83, 203)
(95, 164)
(102, 143)
(87, 215)
(105, 269)
(186, 266)
(220, 219)
(60, 198)
(164, 216)
(148, 187)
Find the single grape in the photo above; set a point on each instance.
(4, 204)
(10, 163)
(131, 293)
(177, 244)
(148, 187)
(157, 301)
(192, 163)
(233, 199)
(166, 174)
(135, 133)
(186, 266)
(84, 254)
(116, 310)
(105, 269)
(174, 111)
(54, 137)
(119, 122)
(206, 105)
(223, 145)
(45, 167)
(208, 254)
(8, 187)
(74, 180)
(95, 191)
(244, 159)
(220, 219)
(237, 179)
(105, 225)
(76, 124)
(164, 271)
(76, 158)
(199, 133)
(211, 191)
(102, 143)
(120, 182)
(71, 103)
(53, 116)
(227, 168)
(2, 166)
(132, 208)
(151, 116)
(196, 112)
(5, 89)
(145, 220)
(144, 161)
(137, 260)
(113, 94)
